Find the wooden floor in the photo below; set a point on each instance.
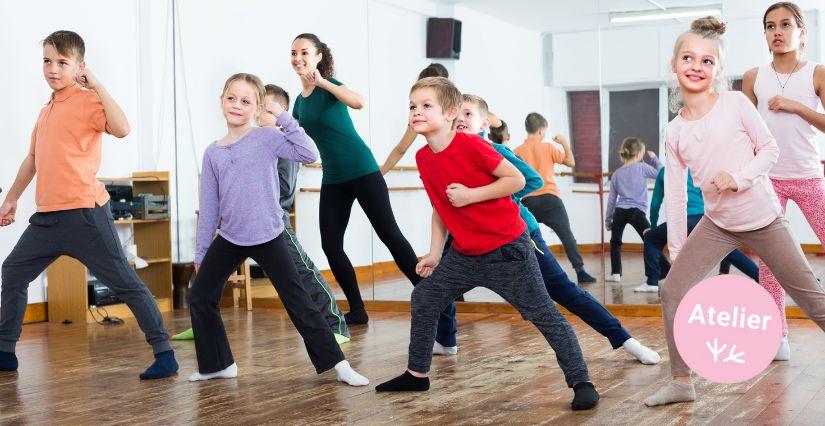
(505, 372)
(395, 287)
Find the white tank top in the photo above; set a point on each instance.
(798, 151)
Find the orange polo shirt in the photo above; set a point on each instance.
(66, 144)
(542, 157)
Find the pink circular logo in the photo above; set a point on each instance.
(727, 329)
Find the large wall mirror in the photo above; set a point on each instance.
(595, 80)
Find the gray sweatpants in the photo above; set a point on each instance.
(512, 272)
(315, 284)
(88, 235)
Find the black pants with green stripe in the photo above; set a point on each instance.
(315, 284)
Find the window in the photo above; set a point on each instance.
(586, 132)
(633, 113)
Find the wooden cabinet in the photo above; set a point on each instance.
(67, 278)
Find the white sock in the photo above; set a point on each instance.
(784, 352)
(227, 373)
(674, 391)
(439, 349)
(349, 376)
(641, 352)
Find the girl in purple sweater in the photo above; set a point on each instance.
(240, 187)
(628, 199)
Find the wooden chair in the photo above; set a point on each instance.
(241, 280)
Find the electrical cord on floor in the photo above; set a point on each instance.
(107, 320)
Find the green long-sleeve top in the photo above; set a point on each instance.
(695, 202)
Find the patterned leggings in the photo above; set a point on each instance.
(809, 195)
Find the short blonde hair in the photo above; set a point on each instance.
(446, 93)
(483, 108)
(252, 79)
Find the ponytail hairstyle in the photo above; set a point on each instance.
(709, 28)
(497, 134)
(327, 65)
(631, 147)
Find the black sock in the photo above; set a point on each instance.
(585, 396)
(405, 382)
(357, 317)
(8, 361)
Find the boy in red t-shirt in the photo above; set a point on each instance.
(470, 188)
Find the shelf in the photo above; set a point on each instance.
(127, 221)
(68, 278)
(133, 179)
(121, 310)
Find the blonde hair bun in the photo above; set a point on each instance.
(708, 24)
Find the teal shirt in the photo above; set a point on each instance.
(534, 182)
(326, 120)
(695, 202)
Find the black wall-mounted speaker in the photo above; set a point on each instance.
(443, 38)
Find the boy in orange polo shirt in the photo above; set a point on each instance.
(73, 216)
(544, 203)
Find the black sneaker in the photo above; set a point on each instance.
(584, 277)
(356, 317)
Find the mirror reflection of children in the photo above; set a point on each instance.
(474, 120)
(627, 202)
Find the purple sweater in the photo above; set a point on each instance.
(628, 185)
(239, 184)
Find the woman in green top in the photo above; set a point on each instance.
(350, 170)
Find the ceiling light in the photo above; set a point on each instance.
(672, 13)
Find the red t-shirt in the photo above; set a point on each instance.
(476, 228)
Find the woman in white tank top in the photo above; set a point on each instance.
(787, 92)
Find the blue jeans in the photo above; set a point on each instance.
(574, 299)
(657, 266)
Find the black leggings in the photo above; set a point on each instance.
(335, 208)
(621, 218)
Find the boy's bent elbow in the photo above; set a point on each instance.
(518, 183)
(121, 132)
